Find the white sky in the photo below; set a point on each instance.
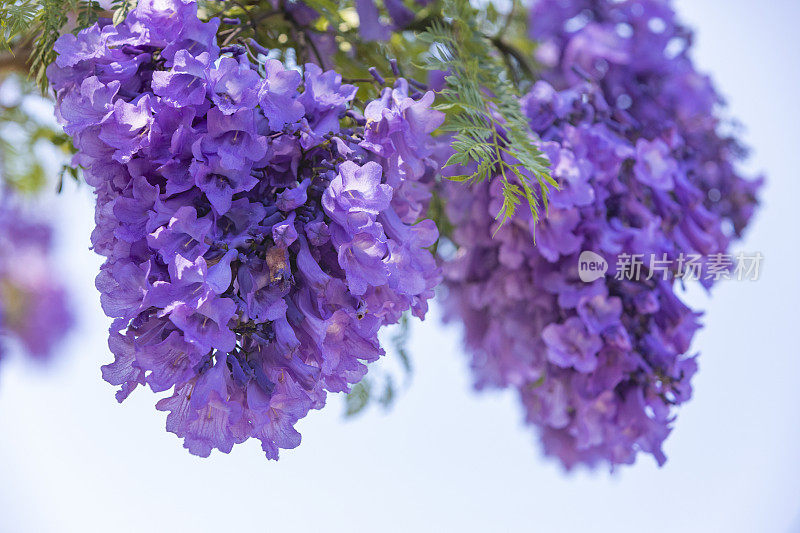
(448, 459)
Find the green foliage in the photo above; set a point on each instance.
(15, 18)
(121, 8)
(358, 398)
(21, 137)
(491, 136)
(30, 28)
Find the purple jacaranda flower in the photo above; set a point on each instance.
(292, 198)
(89, 106)
(596, 46)
(233, 86)
(206, 326)
(175, 24)
(89, 45)
(356, 189)
(654, 164)
(220, 183)
(264, 287)
(234, 138)
(170, 361)
(599, 312)
(572, 174)
(185, 234)
(123, 288)
(170, 140)
(399, 124)
(186, 84)
(203, 413)
(369, 23)
(318, 232)
(362, 258)
(278, 94)
(95, 52)
(284, 233)
(246, 260)
(123, 371)
(401, 15)
(557, 235)
(127, 128)
(160, 22)
(325, 99)
(571, 345)
(412, 270)
(133, 209)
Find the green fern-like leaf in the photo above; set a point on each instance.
(30, 29)
(483, 113)
(15, 18)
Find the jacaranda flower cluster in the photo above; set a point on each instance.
(258, 231)
(634, 139)
(34, 307)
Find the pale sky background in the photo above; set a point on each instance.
(446, 458)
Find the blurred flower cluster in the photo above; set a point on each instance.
(34, 310)
(634, 137)
(35, 315)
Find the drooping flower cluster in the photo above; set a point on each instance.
(257, 233)
(34, 310)
(638, 52)
(631, 131)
